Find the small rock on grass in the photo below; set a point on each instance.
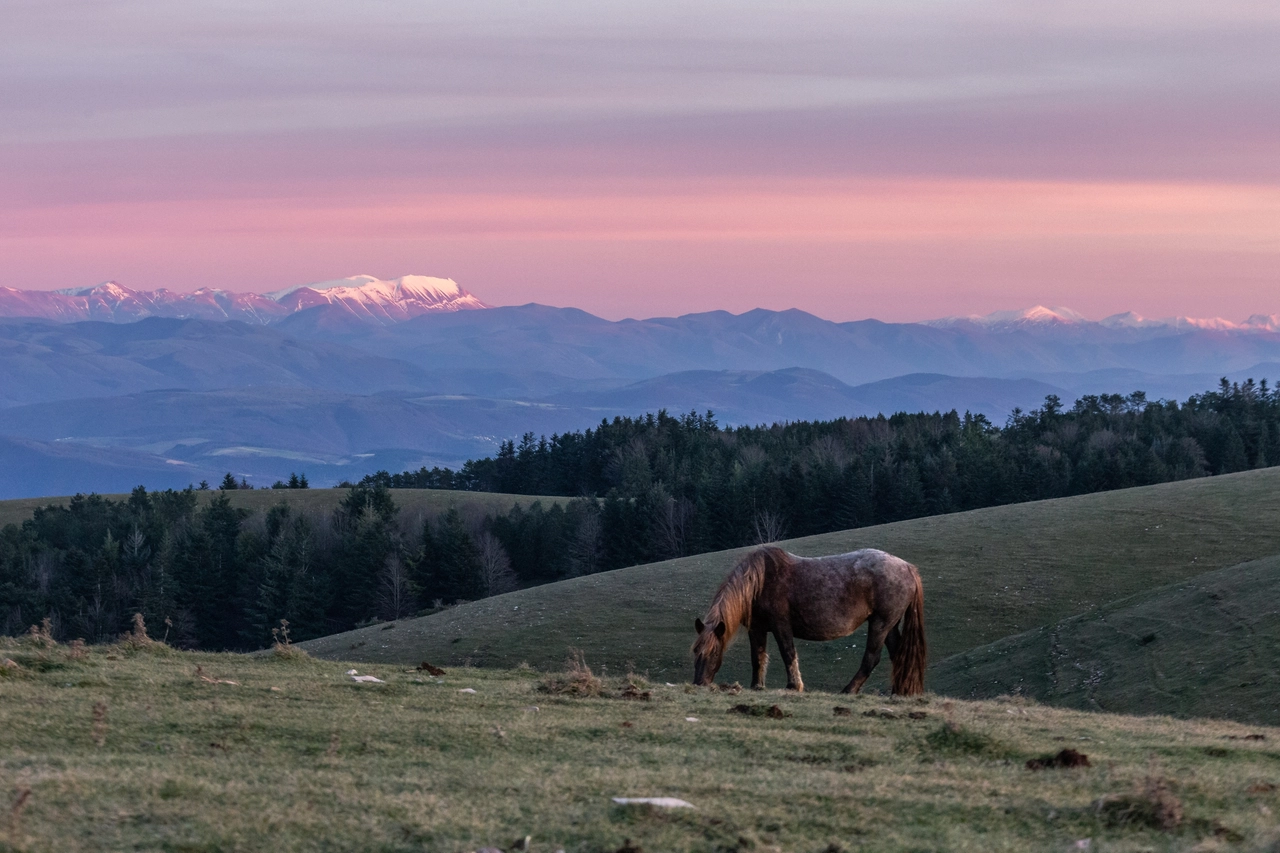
(656, 802)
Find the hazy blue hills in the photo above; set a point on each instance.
(570, 342)
(264, 433)
(324, 392)
(752, 397)
(42, 361)
(36, 468)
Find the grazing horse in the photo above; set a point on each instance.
(817, 598)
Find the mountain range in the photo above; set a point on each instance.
(341, 378)
(362, 297)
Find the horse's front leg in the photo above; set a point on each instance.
(787, 648)
(877, 631)
(759, 656)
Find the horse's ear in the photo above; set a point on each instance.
(720, 630)
(698, 626)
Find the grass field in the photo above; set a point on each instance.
(412, 501)
(1207, 647)
(151, 750)
(988, 574)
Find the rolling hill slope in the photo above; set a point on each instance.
(1206, 647)
(988, 574)
(411, 501)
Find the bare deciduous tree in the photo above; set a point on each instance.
(673, 524)
(496, 575)
(586, 549)
(395, 595)
(768, 526)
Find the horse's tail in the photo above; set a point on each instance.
(913, 651)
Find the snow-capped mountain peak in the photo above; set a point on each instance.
(363, 296)
(1037, 315)
(374, 299)
(1040, 316)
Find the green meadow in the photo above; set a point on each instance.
(1137, 627)
(1207, 647)
(138, 747)
(988, 574)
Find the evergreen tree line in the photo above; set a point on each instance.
(658, 486)
(634, 490)
(214, 576)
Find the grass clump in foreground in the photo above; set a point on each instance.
(203, 752)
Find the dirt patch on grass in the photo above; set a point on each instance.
(773, 711)
(633, 692)
(1064, 759)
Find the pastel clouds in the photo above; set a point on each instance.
(901, 160)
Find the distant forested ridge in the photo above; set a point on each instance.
(678, 485)
(641, 489)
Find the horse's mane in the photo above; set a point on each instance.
(731, 605)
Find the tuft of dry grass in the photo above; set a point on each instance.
(136, 640)
(1152, 805)
(40, 636)
(951, 738)
(283, 648)
(577, 679)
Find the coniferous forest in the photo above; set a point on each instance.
(634, 490)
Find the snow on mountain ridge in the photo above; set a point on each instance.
(373, 299)
(364, 296)
(1039, 315)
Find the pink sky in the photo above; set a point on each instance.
(904, 161)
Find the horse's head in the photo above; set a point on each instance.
(708, 651)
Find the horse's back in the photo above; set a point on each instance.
(831, 596)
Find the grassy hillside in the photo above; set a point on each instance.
(157, 750)
(410, 500)
(987, 574)
(1207, 647)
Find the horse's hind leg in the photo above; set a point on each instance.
(759, 656)
(787, 648)
(892, 640)
(878, 630)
